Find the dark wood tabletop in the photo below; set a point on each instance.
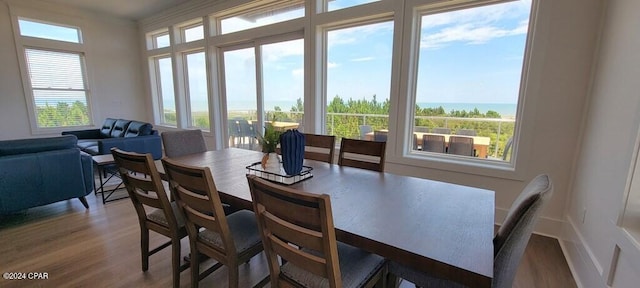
(440, 228)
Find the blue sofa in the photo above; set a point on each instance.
(127, 135)
(40, 171)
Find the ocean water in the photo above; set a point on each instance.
(504, 109)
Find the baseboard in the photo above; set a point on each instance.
(583, 264)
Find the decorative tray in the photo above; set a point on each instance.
(282, 177)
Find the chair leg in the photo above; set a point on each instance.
(84, 202)
(144, 248)
(195, 267)
(175, 259)
(233, 276)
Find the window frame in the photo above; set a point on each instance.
(22, 43)
(402, 152)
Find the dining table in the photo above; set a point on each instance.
(439, 228)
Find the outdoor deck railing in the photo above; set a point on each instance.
(499, 130)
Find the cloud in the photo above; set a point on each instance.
(332, 65)
(474, 26)
(362, 59)
(297, 72)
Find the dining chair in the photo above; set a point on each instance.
(433, 143)
(466, 132)
(421, 129)
(415, 142)
(247, 133)
(509, 242)
(380, 136)
(297, 227)
(322, 147)
(142, 181)
(362, 154)
(364, 129)
(230, 239)
(507, 149)
(440, 130)
(183, 142)
(234, 131)
(461, 145)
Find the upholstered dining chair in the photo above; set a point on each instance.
(231, 240)
(509, 242)
(362, 150)
(461, 145)
(183, 142)
(322, 147)
(142, 181)
(433, 143)
(289, 219)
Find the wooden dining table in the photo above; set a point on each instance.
(439, 228)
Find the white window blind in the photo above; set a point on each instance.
(59, 87)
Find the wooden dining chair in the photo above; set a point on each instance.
(231, 239)
(183, 142)
(362, 154)
(319, 147)
(290, 219)
(460, 145)
(508, 244)
(433, 143)
(142, 181)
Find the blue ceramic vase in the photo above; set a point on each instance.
(292, 149)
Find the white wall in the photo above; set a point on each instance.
(115, 73)
(610, 131)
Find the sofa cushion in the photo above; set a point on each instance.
(107, 126)
(137, 128)
(119, 128)
(23, 146)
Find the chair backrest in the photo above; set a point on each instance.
(364, 129)
(461, 145)
(466, 132)
(512, 237)
(246, 129)
(198, 199)
(371, 150)
(507, 149)
(183, 142)
(440, 130)
(433, 143)
(234, 128)
(322, 146)
(287, 216)
(142, 181)
(422, 129)
(380, 136)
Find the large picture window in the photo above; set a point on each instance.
(468, 80)
(55, 69)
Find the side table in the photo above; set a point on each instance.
(106, 166)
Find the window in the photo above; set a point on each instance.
(341, 4)
(48, 31)
(193, 33)
(262, 15)
(165, 91)
(197, 89)
(468, 78)
(160, 40)
(358, 80)
(55, 79)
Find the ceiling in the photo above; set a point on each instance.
(129, 9)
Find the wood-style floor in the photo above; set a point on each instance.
(99, 247)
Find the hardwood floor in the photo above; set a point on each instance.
(99, 247)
